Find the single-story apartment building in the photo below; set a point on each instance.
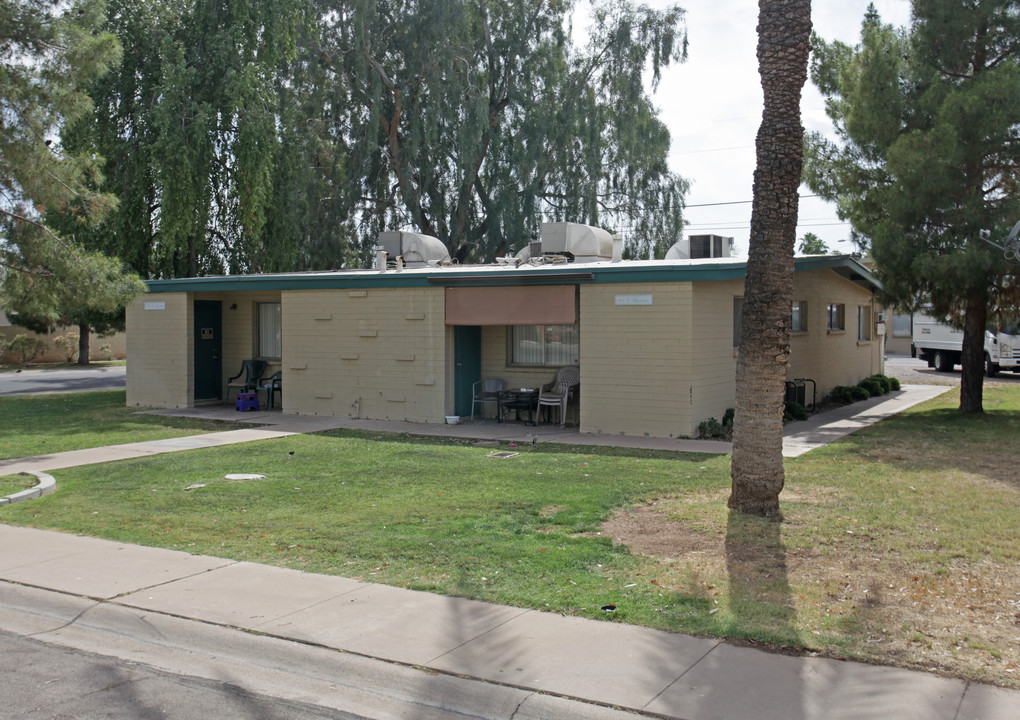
(655, 340)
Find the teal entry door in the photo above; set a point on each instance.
(208, 350)
(467, 356)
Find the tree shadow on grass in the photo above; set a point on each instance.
(759, 584)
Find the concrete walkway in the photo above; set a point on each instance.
(385, 652)
(799, 437)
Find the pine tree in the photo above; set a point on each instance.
(927, 156)
(49, 52)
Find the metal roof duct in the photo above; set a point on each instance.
(416, 249)
(583, 243)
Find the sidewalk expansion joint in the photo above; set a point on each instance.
(226, 563)
(523, 611)
(684, 673)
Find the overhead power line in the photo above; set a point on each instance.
(739, 202)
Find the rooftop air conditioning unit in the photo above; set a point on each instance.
(698, 247)
(416, 249)
(582, 243)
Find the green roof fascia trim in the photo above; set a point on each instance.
(846, 265)
(287, 281)
(602, 274)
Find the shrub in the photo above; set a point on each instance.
(894, 384)
(841, 395)
(25, 348)
(873, 387)
(711, 429)
(886, 382)
(794, 411)
(68, 344)
(727, 418)
(858, 393)
(106, 351)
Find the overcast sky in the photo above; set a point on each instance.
(713, 102)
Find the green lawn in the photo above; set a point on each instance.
(41, 424)
(16, 483)
(901, 543)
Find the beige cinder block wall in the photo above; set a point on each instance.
(833, 358)
(375, 353)
(160, 350)
(635, 359)
(713, 349)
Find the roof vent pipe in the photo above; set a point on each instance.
(380, 259)
(617, 248)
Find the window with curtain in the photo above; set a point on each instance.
(269, 330)
(544, 345)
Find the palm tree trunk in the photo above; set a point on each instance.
(756, 469)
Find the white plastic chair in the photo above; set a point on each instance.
(485, 390)
(559, 392)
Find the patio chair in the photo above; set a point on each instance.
(247, 379)
(559, 392)
(485, 390)
(272, 384)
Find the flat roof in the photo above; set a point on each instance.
(603, 272)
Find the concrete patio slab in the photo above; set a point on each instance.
(243, 594)
(736, 682)
(392, 623)
(604, 662)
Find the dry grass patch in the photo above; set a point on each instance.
(837, 578)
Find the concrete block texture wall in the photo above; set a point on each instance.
(713, 357)
(833, 357)
(160, 351)
(636, 345)
(372, 353)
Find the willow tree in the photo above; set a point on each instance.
(216, 140)
(784, 28)
(927, 158)
(474, 120)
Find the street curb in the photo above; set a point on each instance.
(45, 486)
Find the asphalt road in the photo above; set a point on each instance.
(31, 381)
(911, 370)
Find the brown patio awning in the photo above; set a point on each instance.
(534, 305)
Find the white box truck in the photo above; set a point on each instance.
(941, 346)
